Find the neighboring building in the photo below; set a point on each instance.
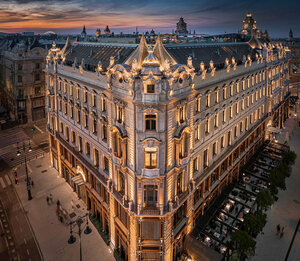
(181, 27)
(98, 32)
(106, 31)
(22, 85)
(148, 138)
(249, 26)
(83, 33)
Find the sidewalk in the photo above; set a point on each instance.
(52, 235)
(286, 212)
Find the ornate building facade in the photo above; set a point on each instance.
(148, 137)
(249, 26)
(22, 85)
(181, 27)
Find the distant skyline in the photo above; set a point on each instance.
(204, 16)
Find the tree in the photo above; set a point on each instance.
(264, 199)
(277, 179)
(255, 222)
(243, 244)
(284, 168)
(289, 157)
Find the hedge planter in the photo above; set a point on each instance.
(98, 226)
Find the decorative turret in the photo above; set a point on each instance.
(83, 33)
(106, 31)
(181, 27)
(98, 32)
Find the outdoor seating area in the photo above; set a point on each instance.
(241, 200)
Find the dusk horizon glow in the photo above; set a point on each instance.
(205, 17)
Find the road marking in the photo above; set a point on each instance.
(8, 180)
(27, 251)
(2, 183)
(38, 128)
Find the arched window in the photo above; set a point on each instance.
(117, 145)
(183, 148)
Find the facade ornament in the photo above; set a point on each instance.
(134, 67)
(212, 68)
(227, 64)
(233, 61)
(190, 62)
(111, 61)
(99, 67)
(249, 59)
(75, 63)
(203, 70)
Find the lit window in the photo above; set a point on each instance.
(71, 90)
(237, 108)
(65, 87)
(78, 116)
(94, 100)
(95, 126)
(150, 195)
(224, 93)
(217, 96)
(224, 116)
(86, 120)
(150, 157)
(197, 133)
(87, 149)
(103, 104)
(229, 138)
(215, 146)
(216, 119)
(206, 126)
(119, 114)
(121, 182)
(207, 100)
(183, 149)
(222, 142)
(77, 93)
(96, 158)
(231, 90)
(85, 96)
(181, 114)
(198, 104)
(71, 111)
(80, 144)
(231, 112)
(205, 158)
(241, 127)
(150, 121)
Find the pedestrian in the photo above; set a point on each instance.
(16, 180)
(58, 203)
(47, 200)
(32, 183)
(278, 229)
(16, 174)
(51, 198)
(72, 204)
(282, 231)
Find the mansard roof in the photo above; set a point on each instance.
(95, 53)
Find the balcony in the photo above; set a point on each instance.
(150, 173)
(150, 210)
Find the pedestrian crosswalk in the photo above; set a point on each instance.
(5, 181)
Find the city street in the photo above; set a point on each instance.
(51, 234)
(286, 212)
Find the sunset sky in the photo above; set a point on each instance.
(205, 16)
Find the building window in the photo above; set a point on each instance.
(198, 105)
(205, 159)
(78, 116)
(77, 93)
(71, 111)
(222, 142)
(20, 67)
(206, 126)
(216, 120)
(150, 230)
(96, 158)
(65, 87)
(224, 93)
(229, 138)
(117, 144)
(246, 123)
(231, 112)
(95, 126)
(80, 144)
(197, 132)
(71, 90)
(183, 148)
(119, 114)
(150, 195)
(65, 108)
(61, 127)
(207, 100)
(215, 147)
(86, 120)
(73, 137)
(150, 122)
(243, 104)
(121, 183)
(87, 149)
(104, 132)
(231, 90)
(85, 96)
(37, 66)
(37, 90)
(237, 108)
(235, 131)
(179, 183)
(59, 105)
(243, 85)
(94, 101)
(105, 164)
(59, 85)
(181, 114)
(195, 165)
(103, 105)
(217, 96)
(241, 127)
(150, 157)
(237, 87)
(37, 77)
(67, 134)
(20, 79)
(224, 116)
(150, 88)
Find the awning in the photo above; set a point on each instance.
(78, 180)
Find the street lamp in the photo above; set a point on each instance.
(26, 170)
(79, 221)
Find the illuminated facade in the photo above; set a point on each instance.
(148, 137)
(22, 85)
(249, 26)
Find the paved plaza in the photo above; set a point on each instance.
(286, 212)
(51, 234)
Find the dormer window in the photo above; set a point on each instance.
(150, 88)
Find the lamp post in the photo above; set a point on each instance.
(26, 170)
(79, 221)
